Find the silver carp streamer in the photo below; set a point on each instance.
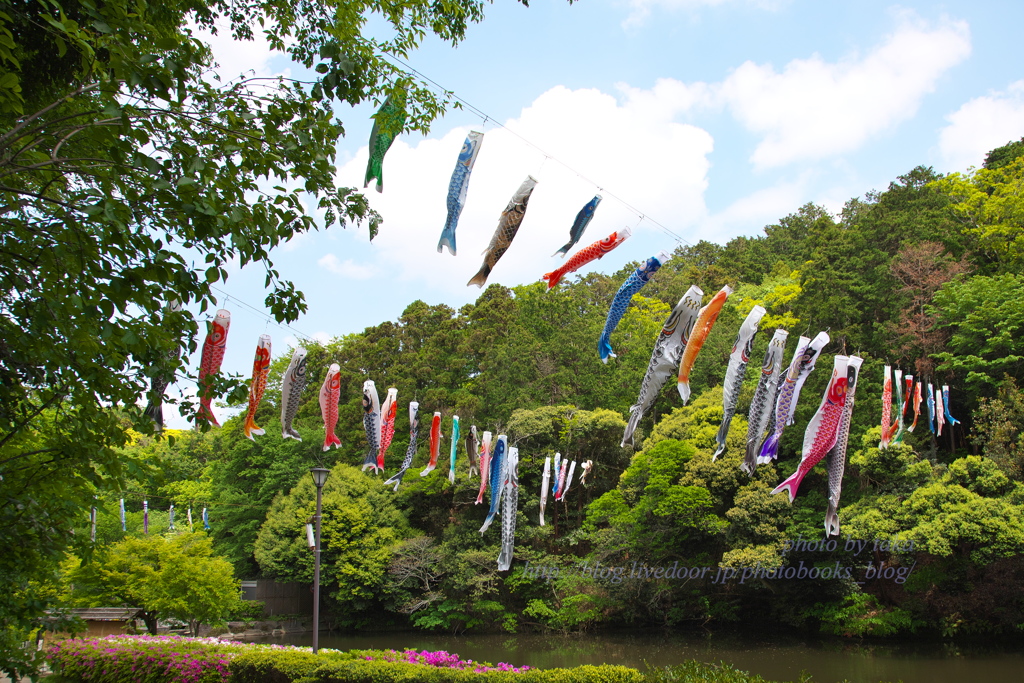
(292, 383)
(668, 349)
(764, 399)
(544, 482)
(414, 430)
(509, 506)
(371, 424)
(738, 361)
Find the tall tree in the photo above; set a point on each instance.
(121, 165)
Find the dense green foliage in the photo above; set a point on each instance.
(131, 177)
(660, 534)
(176, 577)
(926, 275)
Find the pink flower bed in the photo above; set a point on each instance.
(175, 659)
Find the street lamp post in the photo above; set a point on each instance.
(319, 479)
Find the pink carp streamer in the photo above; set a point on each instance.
(835, 462)
(823, 429)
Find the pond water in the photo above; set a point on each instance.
(776, 659)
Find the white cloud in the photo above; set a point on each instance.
(347, 268)
(235, 58)
(747, 215)
(981, 125)
(813, 109)
(631, 147)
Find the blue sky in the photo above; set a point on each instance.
(713, 118)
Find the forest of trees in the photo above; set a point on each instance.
(927, 276)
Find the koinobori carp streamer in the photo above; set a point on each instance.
(258, 384)
(508, 226)
(458, 188)
(836, 459)
(706, 318)
(668, 349)
(640, 277)
(738, 360)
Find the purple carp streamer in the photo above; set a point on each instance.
(800, 368)
(158, 383)
(499, 461)
(410, 452)
(668, 349)
(763, 402)
(583, 219)
(835, 461)
(387, 124)
(620, 303)
(945, 407)
(508, 226)
(823, 429)
(458, 188)
(509, 507)
(544, 482)
(738, 360)
(292, 383)
(371, 424)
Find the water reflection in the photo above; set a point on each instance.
(777, 659)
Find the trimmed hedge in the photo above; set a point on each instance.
(280, 666)
(172, 659)
(376, 671)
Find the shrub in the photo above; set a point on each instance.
(279, 666)
(143, 659)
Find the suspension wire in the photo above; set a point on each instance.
(488, 118)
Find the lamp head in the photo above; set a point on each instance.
(319, 476)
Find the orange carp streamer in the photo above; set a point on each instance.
(701, 328)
